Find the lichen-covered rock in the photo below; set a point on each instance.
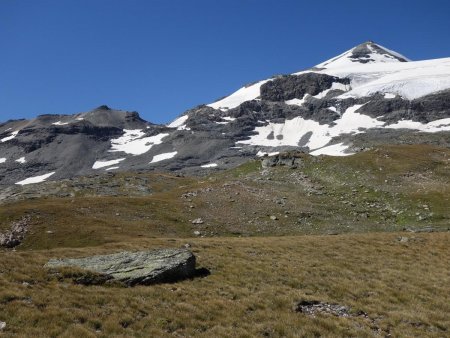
(131, 268)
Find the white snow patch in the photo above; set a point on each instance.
(210, 165)
(102, 164)
(332, 150)
(179, 123)
(262, 153)
(21, 160)
(13, 134)
(333, 109)
(80, 118)
(2, 160)
(228, 118)
(162, 157)
(59, 123)
(240, 96)
(389, 95)
(35, 179)
(112, 168)
(134, 142)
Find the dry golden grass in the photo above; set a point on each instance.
(403, 287)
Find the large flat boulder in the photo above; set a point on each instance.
(131, 268)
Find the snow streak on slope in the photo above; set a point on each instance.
(242, 95)
(162, 157)
(21, 160)
(179, 123)
(2, 160)
(209, 165)
(13, 134)
(262, 153)
(35, 179)
(134, 142)
(102, 164)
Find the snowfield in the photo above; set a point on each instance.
(317, 136)
(431, 127)
(410, 80)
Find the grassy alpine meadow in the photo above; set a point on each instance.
(368, 232)
(402, 285)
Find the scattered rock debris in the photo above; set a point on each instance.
(16, 234)
(314, 307)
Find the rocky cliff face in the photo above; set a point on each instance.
(368, 95)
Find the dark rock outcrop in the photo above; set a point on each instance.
(292, 159)
(296, 86)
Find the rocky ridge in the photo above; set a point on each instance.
(364, 97)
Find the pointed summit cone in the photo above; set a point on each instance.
(365, 53)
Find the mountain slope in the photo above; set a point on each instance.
(366, 96)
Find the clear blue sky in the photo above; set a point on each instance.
(161, 57)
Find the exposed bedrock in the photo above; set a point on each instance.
(289, 87)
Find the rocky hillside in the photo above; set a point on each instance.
(364, 97)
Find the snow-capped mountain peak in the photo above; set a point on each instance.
(367, 52)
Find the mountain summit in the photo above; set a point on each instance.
(365, 53)
(364, 97)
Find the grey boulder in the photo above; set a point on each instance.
(131, 268)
